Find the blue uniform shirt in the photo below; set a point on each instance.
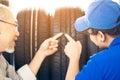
(104, 65)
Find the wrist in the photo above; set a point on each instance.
(74, 60)
(40, 54)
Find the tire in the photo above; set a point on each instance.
(92, 48)
(22, 49)
(34, 28)
(63, 21)
(43, 32)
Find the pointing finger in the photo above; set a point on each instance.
(57, 36)
(69, 38)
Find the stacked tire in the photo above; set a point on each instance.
(63, 21)
(34, 29)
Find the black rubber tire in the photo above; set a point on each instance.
(63, 21)
(92, 48)
(22, 51)
(43, 32)
(34, 28)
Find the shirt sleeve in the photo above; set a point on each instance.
(26, 73)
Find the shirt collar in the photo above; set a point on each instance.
(115, 42)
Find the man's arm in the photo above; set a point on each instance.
(48, 47)
(73, 51)
(73, 69)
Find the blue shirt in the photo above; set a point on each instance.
(104, 65)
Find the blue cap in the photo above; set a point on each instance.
(101, 14)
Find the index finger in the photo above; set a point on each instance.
(57, 36)
(69, 38)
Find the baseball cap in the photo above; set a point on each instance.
(101, 14)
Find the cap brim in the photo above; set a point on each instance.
(81, 24)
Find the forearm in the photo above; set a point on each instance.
(73, 69)
(36, 62)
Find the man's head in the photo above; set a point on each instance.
(8, 30)
(102, 16)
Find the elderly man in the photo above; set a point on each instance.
(8, 36)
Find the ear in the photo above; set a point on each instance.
(101, 36)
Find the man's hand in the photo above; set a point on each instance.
(73, 48)
(49, 46)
